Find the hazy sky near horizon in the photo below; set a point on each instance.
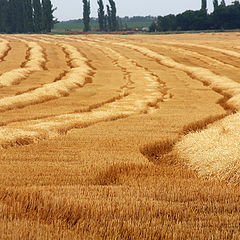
(72, 9)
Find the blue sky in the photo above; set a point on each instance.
(72, 9)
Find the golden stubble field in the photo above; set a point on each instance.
(120, 137)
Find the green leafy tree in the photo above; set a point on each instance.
(86, 15)
(101, 15)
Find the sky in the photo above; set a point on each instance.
(72, 9)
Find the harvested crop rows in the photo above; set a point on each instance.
(119, 137)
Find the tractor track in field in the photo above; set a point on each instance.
(27, 56)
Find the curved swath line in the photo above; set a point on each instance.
(227, 85)
(213, 152)
(35, 62)
(121, 62)
(135, 103)
(82, 110)
(75, 78)
(223, 51)
(4, 49)
(122, 94)
(165, 96)
(127, 76)
(201, 57)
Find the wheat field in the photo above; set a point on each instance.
(120, 137)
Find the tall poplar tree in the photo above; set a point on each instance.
(215, 4)
(37, 16)
(2, 16)
(47, 15)
(86, 15)
(113, 16)
(101, 15)
(223, 3)
(109, 18)
(28, 16)
(12, 21)
(204, 5)
(19, 16)
(24, 16)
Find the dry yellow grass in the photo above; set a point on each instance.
(112, 137)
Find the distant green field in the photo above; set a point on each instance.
(73, 26)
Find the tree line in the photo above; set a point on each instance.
(26, 16)
(223, 17)
(107, 20)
